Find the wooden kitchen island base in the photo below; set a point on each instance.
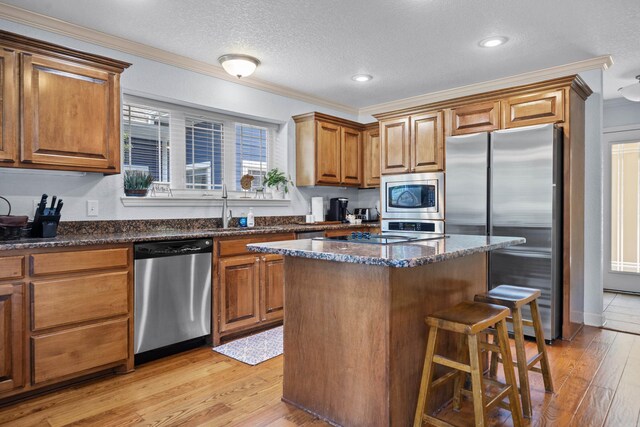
(355, 337)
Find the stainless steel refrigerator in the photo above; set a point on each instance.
(509, 183)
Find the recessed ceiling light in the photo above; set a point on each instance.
(493, 41)
(362, 77)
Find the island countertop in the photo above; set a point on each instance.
(409, 254)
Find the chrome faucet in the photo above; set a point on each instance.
(225, 216)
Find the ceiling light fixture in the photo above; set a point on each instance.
(493, 41)
(362, 77)
(631, 92)
(239, 65)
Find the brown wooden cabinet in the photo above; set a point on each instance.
(67, 114)
(480, 117)
(533, 109)
(412, 143)
(11, 336)
(8, 107)
(248, 288)
(371, 156)
(328, 150)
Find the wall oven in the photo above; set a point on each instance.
(413, 196)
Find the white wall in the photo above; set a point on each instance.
(167, 83)
(593, 222)
(621, 112)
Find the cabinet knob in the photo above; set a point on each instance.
(264, 258)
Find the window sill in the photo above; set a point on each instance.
(199, 201)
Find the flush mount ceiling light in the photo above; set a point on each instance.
(631, 92)
(493, 41)
(239, 65)
(362, 77)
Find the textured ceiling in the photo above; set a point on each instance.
(411, 47)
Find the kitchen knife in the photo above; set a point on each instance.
(53, 206)
(43, 204)
(59, 207)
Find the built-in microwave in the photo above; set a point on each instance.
(413, 196)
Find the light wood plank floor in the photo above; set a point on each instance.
(597, 378)
(622, 312)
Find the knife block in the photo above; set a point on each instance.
(45, 225)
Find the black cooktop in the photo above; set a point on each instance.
(381, 239)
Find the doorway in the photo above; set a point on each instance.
(622, 211)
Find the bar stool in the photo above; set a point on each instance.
(515, 298)
(469, 319)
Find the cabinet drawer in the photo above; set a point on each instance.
(483, 117)
(239, 246)
(11, 267)
(533, 109)
(75, 261)
(74, 351)
(78, 299)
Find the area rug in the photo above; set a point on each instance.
(256, 348)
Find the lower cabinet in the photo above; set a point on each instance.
(11, 334)
(248, 287)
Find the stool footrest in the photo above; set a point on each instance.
(499, 397)
(535, 359)
(443, 379)
(489, 347)
(440, 360)
(527, 322)
(435, 421)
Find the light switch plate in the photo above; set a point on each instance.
(92, 208)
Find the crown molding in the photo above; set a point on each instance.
(47, 23)
(600, 62)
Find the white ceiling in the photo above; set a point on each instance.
(411, 47)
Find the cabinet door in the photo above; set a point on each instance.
(371, 158)
(8, 107)
(239, 292)
(272, 286)
(327, 153)
(482, 117)
(427, 136)
(395, 146)
(350, 156)
(11, 334)
(70, 115)
(533, 109)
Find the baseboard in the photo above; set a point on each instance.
(594, 319)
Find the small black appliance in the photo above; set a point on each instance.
(338, 209)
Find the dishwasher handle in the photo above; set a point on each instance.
(172, 248)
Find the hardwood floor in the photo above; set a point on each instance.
(597, 380)
(622, 312)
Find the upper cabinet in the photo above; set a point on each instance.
(67, 111)
(412, 143)
(533, 109)
(482, 117)
(328, 151)
(371, 156)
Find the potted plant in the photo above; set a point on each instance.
(136, 183)
(276, 180)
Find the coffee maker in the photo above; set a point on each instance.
(338, 209)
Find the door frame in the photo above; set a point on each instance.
(615, 280)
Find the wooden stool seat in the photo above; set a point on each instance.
(509, 296)
(469, 320)
(516, 298)
(468, 317)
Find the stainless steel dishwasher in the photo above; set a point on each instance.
(172, 293)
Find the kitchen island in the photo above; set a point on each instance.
(354, 336)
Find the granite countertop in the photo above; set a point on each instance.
(410, 254)
(86, 239)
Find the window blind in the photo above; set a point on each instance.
(204, 153)
(146, 141)
(251, 153)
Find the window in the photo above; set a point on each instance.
(251, 153)
(197, 150)
(146, 141)
(204, 154)
(625, 207)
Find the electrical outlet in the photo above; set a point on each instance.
(92, 208)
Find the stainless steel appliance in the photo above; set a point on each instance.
(383, 238)
(172, 292)
(366, 214)
(408, 226)
(509, 183)
(338, 209)
(413, 196)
